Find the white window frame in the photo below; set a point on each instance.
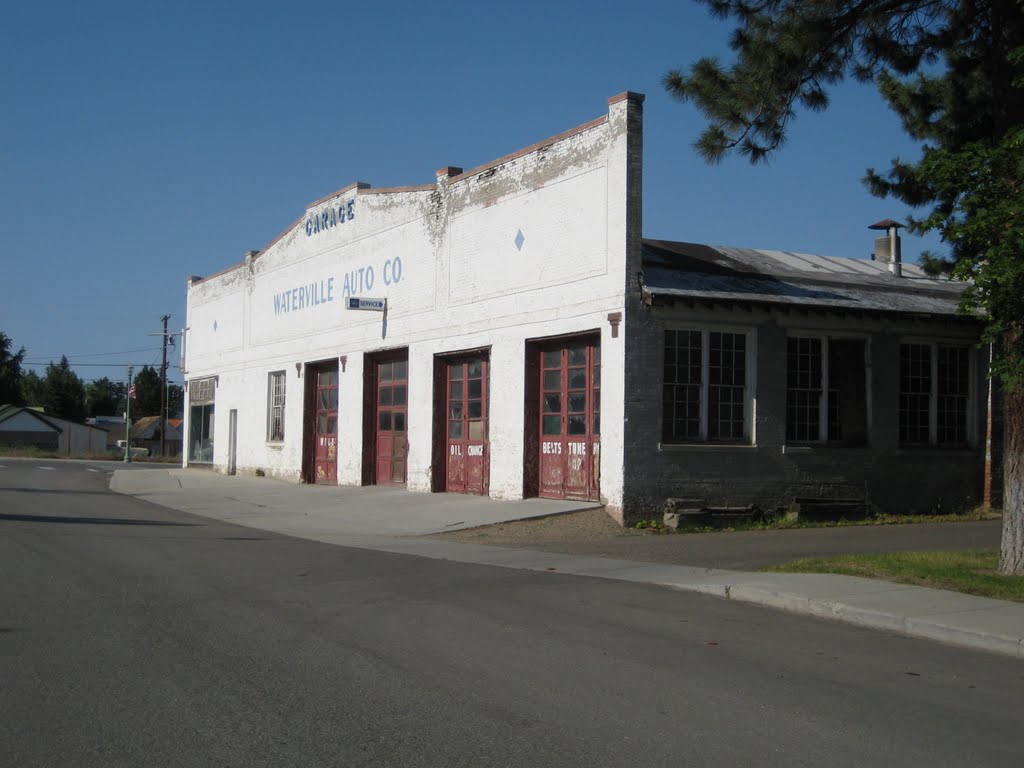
(750, 377)
(823, 400)
(933, 394)
(274, 406)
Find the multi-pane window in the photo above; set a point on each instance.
(705, 387)
(934, 394)
(826, 398)
(915, 392)
(275, 407)
(803, 390)
(467, 414)
(571, 402)
(952, 395)
(392, 395)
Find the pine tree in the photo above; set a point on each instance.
(953, 71)
(63, 392)
(104, 397)
(175, 401)
(10, 372)
(32, 390)
(147, 393)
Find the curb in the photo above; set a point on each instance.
(927, 628)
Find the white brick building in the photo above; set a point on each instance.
(510, 344)
(489, 276)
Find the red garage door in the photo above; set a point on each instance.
(570, 427)
(325, 439)
(392, 443)
(467, 461)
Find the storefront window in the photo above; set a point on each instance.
(200, 421)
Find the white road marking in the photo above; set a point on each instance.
(90, 469)
(49, 468)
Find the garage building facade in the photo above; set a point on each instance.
(460, 336)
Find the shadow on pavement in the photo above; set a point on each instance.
(55, 491)
(88, 520)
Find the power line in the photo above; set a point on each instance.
(101, 354)
(154, 365)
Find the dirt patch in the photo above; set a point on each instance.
(589, 525)
(594, 533)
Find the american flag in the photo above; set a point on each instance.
(131, 391)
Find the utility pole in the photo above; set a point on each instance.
(128, 418)
(163, 390)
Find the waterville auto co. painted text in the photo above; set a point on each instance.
(356, 281)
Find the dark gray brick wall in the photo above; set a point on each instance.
(770, 474)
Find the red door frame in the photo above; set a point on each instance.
(461, 426)
(565, 462)
(385, 448)
(320, 449)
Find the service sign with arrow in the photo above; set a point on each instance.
(374, 305)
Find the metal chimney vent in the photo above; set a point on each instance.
(887, 248)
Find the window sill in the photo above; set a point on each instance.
(684, 447)
(944, 449)
(275, 444)
(798, 448)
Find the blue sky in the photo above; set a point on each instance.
(142, 142)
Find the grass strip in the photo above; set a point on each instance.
(972, 572)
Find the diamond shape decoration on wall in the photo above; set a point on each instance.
(519, 240)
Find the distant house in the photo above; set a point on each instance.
(114, 425)
(146, 434)
(25, 427)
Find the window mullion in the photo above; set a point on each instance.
(705, 367)
(823, 393)
(933, 398)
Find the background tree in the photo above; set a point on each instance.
(104, 397)
(953, 71)
(63, 392)
(147, 393)
(32, 393)
(175, 401)
(10, 372)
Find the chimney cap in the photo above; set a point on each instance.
(886, 224)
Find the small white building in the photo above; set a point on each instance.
(506, 331)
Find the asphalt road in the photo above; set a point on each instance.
(131, 635)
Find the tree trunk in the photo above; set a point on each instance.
(1011, 560)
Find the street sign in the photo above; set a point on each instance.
(375, 305)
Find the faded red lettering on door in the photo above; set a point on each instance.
(325, 437)
(467, 448)
(570, 420)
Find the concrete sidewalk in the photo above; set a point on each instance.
(393, 519)
(316, 511)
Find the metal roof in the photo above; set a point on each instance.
(720, 273)
(8, 412)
